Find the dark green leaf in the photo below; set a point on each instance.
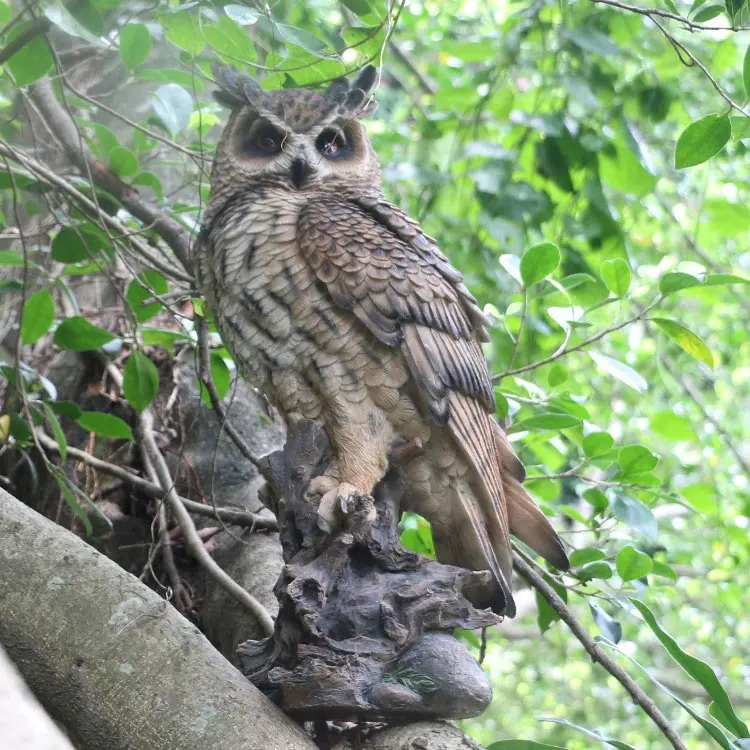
(145, 286)
(38, 316)
(585, 555)
(547, 422)
(10, 258)
(708, 13)
(135, 44)
(140, 381)
(66, 409)
(106, 425)
(698, 670)
(74, 244)
(220, 375)
(557, 375)
(687, 340)
(78, 335)
(701, 140)
(538, 262)
(67, 490)
(123, 162)
(594, 570)
(57, 431)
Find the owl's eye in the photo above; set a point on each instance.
(333, 144)
(268, 141)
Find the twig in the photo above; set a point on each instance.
(49, 176)
(578, 347)
(235, 516)
(37, 28)
(596, 653)
(204, 372)
(691, 25)
(193, 542)
(60, 122)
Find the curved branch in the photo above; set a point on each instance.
(62, 125)
(595, 652)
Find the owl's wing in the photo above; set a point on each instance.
(378, 264)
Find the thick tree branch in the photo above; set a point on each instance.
(118, 665)
(595, 652)
(62, 125)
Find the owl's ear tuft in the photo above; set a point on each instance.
(366, 78)
(337, 91)
(236, 89)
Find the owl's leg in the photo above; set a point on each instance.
(361, 447)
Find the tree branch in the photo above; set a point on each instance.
(595, 652)
(691, 25)
(130, 671)
(63, 126)
(37, 28)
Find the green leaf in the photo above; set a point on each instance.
(66, 409)
(687, 340)
(550, 421)
(38, 316)
(220, 375)
(557, 374)
(733, 8)
(585, 555)
(78, 335)
(123, 162)
(746, 71)
(522, 745)
(702, 496)
(701, 140)
(616, 275)
(539, 262)
(57, 430)
(636, 459)
(708, 13)
(65, 20)
(143, 287)
(594, 735)
(182, 30)
(635, 514)
(67, 489)
(32, 61)
(10, 258)
(672, 426)
(632, 563)
(594, 570)
(676, 280)
(230, 40)
(624, 373)
(659, 568)
(173, 105)
(135, 44)
(75, 244)
(106, 425)
(699, 671)
(597, 444)
(140, 381)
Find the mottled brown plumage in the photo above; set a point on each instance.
(341, 310)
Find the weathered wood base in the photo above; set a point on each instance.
(363, 631)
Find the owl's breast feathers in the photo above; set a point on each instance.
(377, 263)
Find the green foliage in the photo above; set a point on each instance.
(562, 156)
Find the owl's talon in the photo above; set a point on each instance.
(334, 503)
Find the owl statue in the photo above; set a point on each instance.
(341, 310)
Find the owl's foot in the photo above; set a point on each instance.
(336, 500)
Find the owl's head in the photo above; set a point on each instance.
(296, 139)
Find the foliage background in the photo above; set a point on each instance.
(502, 127)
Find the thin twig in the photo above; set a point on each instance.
(193, 542)
(235, 516)
(578, 347)
(596, 653)
(204, 372)
(691, 25)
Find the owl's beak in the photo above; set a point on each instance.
(302, 170)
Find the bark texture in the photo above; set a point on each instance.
(114, 662)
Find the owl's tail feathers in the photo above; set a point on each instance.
(525, 520)
(462, 538)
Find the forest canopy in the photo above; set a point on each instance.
(585, 165)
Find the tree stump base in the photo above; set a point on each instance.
(363, 631)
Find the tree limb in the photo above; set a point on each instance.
(119, 665)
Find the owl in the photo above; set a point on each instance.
(341, 310)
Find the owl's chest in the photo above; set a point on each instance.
(261, 290)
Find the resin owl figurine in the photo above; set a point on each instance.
(339, 308)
